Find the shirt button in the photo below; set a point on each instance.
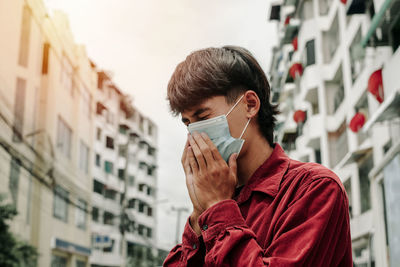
(194, 246)
(205, 227)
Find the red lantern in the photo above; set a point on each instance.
(343, 1)
(287, 20)
(375, 85)
(357, 122)
(294, 43)
(296, 70)
(299, 116)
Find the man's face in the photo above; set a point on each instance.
(216, 106)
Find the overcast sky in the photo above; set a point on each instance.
(141, 42)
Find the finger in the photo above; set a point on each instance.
(204, 148)
(233, 163)
(192, 160)
(197, 153)
(184, 151)
(184, 160)
(214, 150)
(186, 166)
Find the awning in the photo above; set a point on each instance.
(375, 22)
(299, 116)
(275, 13)
(357, 122)
(71, 247)
(375, 85)
(389, 109)
(296, 70)
(356, 7)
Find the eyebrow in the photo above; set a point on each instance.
(196, 114)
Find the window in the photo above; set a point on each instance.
(110, 248)
(64, 138)
(98, 134)
(363, 171)
(45, 61)
(108, 167)
(149, 191)
(141, 187)
(80, 215)
(317, 155)
(141, 206)
(150, 129)
(141, 123)
(80, 263)
(61, 199)
(123, 129)
(141, 229)
(110, 194)
(95, 214)
(151, 151)
(66, 74)
(109, 142)
(122, 149)
(131, 180)
(86, 102)
(98, 187)
(131, 203)
(149, 233)
(357, 55)
(150, 211)
(24, 37)
(58, 261)
(98, 160)
(142, 165)
(108, 218)
(150, 170)
(19, 109)
(121, 174)
(84, 158)
(14, 179)
(310, 52)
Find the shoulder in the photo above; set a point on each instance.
(306, 175)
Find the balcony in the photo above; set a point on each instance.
(313, 128)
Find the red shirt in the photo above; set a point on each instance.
(290, 213)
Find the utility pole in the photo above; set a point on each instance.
(178, 210)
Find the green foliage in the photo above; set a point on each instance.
(13, 252)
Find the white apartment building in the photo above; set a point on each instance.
(334, 74)
(124, 181)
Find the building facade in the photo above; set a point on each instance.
(76, 158)
(124, 181)
(333, 74)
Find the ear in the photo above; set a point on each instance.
(252, 103)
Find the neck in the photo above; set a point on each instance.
(258, 151)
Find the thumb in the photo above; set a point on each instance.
(232, 162)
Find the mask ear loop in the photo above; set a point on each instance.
(245, 128)
(237, 102)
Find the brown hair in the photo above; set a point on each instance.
(227, 71)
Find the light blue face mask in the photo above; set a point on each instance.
(217, 129)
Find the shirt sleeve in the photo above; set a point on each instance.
(190, 252)
(313, 231)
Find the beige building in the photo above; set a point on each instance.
(46, 88)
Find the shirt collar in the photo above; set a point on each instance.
(267, 178)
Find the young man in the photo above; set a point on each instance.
(252, 205)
